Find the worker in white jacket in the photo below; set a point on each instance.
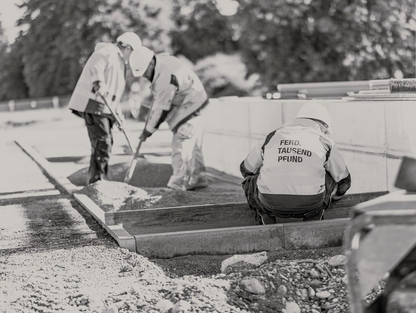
(296, 171)
(104, 73)
(178, 99)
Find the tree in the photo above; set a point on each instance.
(61, 35)
(201, 30)
(58, 39)
(319, 40)
(12, 84)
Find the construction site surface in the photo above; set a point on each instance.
(45, 187)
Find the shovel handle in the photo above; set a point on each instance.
(133, 163)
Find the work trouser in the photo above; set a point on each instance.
(187, 159)
(265, 214)
(101, 138)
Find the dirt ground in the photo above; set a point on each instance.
(98, 276)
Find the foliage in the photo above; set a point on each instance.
(12, 82)
(318, 40)
(201, 30)
(58, 39)
(225, 75)
(283, 41)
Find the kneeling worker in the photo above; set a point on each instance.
(296, 171)
(178, 99)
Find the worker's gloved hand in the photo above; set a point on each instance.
(145, 134)
(96, 86)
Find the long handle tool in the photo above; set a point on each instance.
(118, 120)
(133, 163)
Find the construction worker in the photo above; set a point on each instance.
(178, 99)
(296, 171)
(103, 75)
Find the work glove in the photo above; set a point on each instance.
(96, 86)
(145, 134)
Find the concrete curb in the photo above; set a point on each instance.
(63, 182)
(214, 241)
(248, 239)
(123, 238)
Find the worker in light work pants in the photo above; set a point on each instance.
(178, 98)
(296, 171)
(103, 74)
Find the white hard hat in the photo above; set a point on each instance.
(140, 60)
(317, 111)
(131, 39)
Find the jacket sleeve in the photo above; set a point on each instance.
(97, 64)
(163, 93)
(336, 166)
(253, 162)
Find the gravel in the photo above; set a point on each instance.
(110, 279)
(104, 278)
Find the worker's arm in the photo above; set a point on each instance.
(337, 168)
(98, 62)
(253, 162)
(163, 93)
(342, 187)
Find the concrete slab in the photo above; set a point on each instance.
(234, 240)
(316, 234)
(45, 165)
(25, 195)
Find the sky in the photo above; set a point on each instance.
(9, 14)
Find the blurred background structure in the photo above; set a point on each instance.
(237, 47)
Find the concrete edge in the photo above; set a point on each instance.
(232, 240)
(63, 182)
(122, 236)
(32, 194)
(247, 239)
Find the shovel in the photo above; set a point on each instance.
(117, 118)
(133, 163)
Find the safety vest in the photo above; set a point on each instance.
(177, 89)
(106, 65)
(294, 159)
